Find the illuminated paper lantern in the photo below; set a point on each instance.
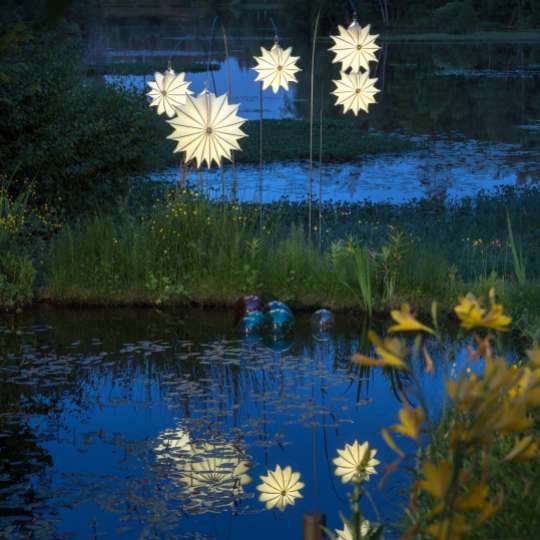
(354, 47)
(355, 91)
(213, 475)
(207, 129)
(218, 468)
(168, 91)
(276, 68)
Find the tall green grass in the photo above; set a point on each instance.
(372, 257)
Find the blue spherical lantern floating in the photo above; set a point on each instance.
(252, 323)
(322, 319)
(279, 321)
(276, 304)
(322, 322)
(278, 343)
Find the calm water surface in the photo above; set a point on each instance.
(472, 107)
(97, 407)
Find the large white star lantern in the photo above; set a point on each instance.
(276, 68)
(207, 129)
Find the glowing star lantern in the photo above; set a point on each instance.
(280, 488)
(168, 92)
(355, 91)
(213, 475)
(276, 68)
(354, 47)
(207, 128)
(216, 468)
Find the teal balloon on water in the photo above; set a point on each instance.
(279, 321)
(252, 323)
(276, 304)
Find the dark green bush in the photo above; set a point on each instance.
(16, 279)
(78, 141)
(456, 17)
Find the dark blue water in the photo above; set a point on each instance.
(87, 397)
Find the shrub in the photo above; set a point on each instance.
(78, 140)
(16, 279)
(455, 17)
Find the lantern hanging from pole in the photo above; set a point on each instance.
(355, 47)
(355, 91)
(168, 92)
(276, 67)
(207, 129)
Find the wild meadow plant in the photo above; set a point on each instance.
(17, 272)
(186, 248)
(458, 457)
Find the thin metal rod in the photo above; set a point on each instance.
(229, 94)
(353, 8)
(228, 64)
(260, 188)
(320, 172)
(210, 45)
(313, 526)
(222, 172)
(311, 106)
(274, 27)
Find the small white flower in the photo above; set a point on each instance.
(355, 91)
(346, 533)
(354, 47)
(168, 91)
(353, 462)
(280, 488)
(276, 67)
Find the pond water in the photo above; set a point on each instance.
(97, 407)
(472, 107)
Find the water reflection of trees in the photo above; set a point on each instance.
(231, 396)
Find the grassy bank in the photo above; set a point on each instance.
(369, 256)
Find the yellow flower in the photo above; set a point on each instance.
(454, 527)
(437, 478)
(534, 356)
(356, 461)
(473, 315)
(411, 420)
(280, 488)
(524, 450)
(406, 322)
(391, 351)
(475, 498)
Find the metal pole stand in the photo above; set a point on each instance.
(313, 524)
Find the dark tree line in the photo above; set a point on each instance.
(437, 15)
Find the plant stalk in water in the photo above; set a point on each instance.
(517, 254)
